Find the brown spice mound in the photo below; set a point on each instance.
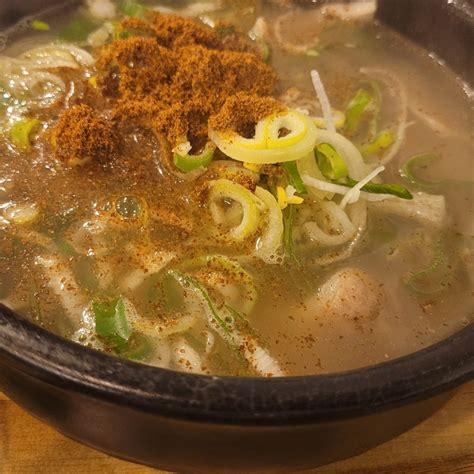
(173, 75)
(80, 136)
(173, 31)
(182, 71)
(242, 111)
(135, 66)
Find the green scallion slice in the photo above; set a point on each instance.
(330, 163)
(78, 30)
(382, 141)
(40, 25)
(294, 177)
(132, 8)
(410, 169)
(186, 162)
(138, 347)
(356, 107)
(111, 321)
(22, 131)
(381, 188)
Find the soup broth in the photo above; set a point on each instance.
(143, 214)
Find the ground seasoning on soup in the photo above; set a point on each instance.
(81, 135)
(174, 76)
(213, 228)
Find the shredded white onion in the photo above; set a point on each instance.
(161, 354)
(195, 9)
(268, 246)
(339, 189)
(61, 280)
(323, 100)
(86, 333)
(340, 228)
(181, 325)
(357, 213)
(57, 55)
(146, 265)
(100, 36)
(185, 358)
(264, 363)
(258, 357)
(324, 185)
(290, 191)
(354, 193)
(210, 341)
(259, 29)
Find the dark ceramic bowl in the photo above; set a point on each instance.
(190, 422)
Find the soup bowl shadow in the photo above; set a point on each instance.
(187, 422)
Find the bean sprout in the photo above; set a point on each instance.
(323, 100)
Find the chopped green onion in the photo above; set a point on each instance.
(234, 269)
(294, 177)
(40, 25)
(65, 247)
(83, 269)
(313, 52)
(242, 323)
(263, 49)
(223, 325)
(437, 277)
(374, 107)
(186, 162)
(132, 8)
(171, 293)
(330, 163)
(188, 282)
(381, 188)
(260, 43)
(111, 321)
(382, 141)
(78, 30)
(221, 261)
(138, 347)
(22, 131)
(413, 165)
(356, 107)
(111, 324)
(455, 186)
(120, 33)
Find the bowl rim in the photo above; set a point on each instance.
(56, 361)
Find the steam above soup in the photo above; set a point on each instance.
(224, 189)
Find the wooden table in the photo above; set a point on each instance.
(441, 445)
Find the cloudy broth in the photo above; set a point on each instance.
(133, 257)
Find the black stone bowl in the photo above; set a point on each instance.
(190, 422)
